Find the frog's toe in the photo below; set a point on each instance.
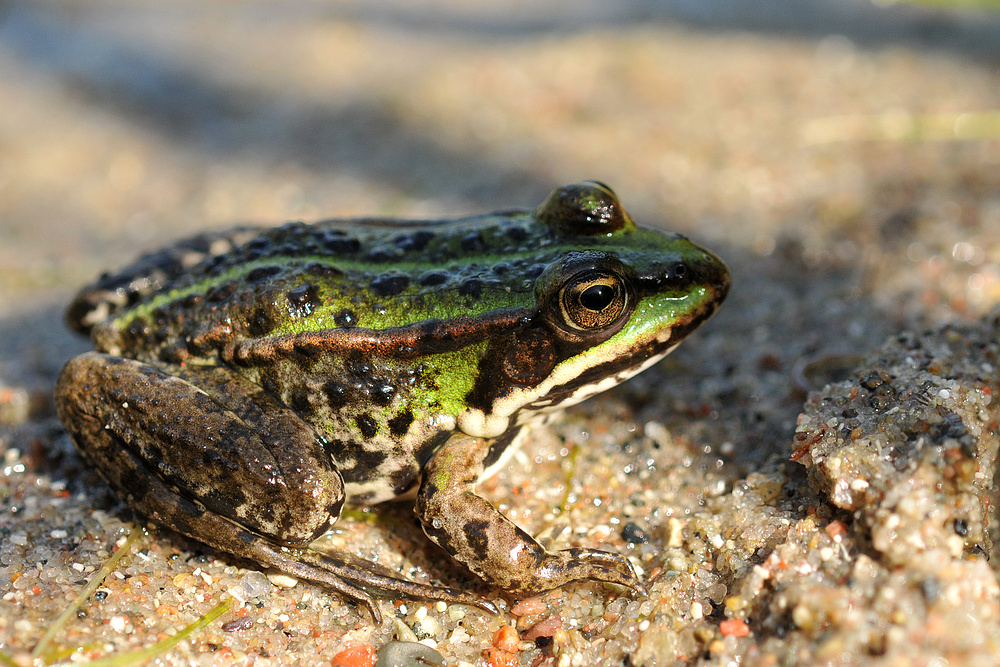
(373, 577)
(556, 569)
(616, 567)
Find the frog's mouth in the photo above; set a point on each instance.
(622, 360)
(674, 304)
(580, 377)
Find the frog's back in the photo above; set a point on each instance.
(248, 282)
(115, 292)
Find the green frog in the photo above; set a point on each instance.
(248, 384)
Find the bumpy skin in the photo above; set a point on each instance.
(248, 384)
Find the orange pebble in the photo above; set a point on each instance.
(497, 658)
(356, 656)
(506, 639)
(529, 606)
(734, 627)
(836, 528)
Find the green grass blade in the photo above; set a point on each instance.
(159, 647)
(70, 611)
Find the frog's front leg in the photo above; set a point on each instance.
(489, 544)
(206, 452)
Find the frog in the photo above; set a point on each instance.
(248, 384)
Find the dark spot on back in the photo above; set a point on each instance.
(383, 393)
(380, 255)
(433, 279)
(336, 448)
(339, 243)
(416, 241)
(262, 272)
(400, 424)
(402, 480)
(517, 234)
(534, 271)
(362, 463)
(473, 242)
(269, 381)
(389, 284)
(473, 287)
(215, 265)
(299, 401)
(138, 328)
(366, 425)
(336, 394)
(260, 321)
(323, 270)
(302, 300)
(220, 293)
(305, 354)
(345, 319)
(136, 334)
(191, 300)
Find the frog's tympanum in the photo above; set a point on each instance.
(250, 383)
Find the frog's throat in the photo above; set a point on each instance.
(479, 423)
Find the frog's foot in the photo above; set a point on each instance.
(489, 544)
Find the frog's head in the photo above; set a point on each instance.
(613, 300)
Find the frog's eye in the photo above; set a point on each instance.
(593, 300)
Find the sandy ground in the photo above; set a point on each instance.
(842, 159)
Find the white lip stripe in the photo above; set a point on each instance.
(477, 423)
(585, 392)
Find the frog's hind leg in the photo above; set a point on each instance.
(215, 457)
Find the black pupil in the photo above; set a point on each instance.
(597, 297)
